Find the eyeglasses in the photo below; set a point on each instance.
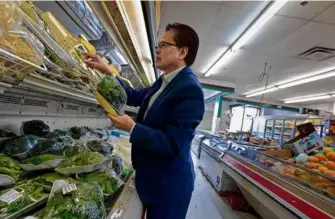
(164, 44)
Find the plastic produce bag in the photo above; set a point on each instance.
(110, 90)
(35, 127)
(9, 170)
(15, 201)
(76, 132)
(83, 162)
(117, 163)
(6, 134)
(15, 38)
(86, 202)
(58, 134)
(20, 146)
(108, 180)
(100, 146)
(76, 149)
(42, 162)
(51, 146)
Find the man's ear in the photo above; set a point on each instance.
(184, 52)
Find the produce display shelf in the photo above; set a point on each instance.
(42, 84)
(297, 199)
(4, 86)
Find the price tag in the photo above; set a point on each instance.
(68, 188)
(10, 196)
(117, 214)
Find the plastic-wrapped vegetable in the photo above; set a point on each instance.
(108, 180)
(20, 146)
(76, 149)
(101, 146)
(83, 162)
(76, 132)
(9, 166)
(42, 162)
(58, 134)
(15, 38)
(117, 163)
(22, 196)
(86, 202)
(47, 179)
(51, 146)
(112, 91)
(35, 127)
(6, 134)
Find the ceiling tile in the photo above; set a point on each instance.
(307, 12)
(308, 36)
(245, 5)
(198, 15)
(269, 36)
(327, 16)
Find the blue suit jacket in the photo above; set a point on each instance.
(161, 142)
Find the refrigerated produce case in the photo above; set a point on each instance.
(32, 92)
(274, 187)
(282, 128)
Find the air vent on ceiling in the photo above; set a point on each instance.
(10, 99)
(318, 53)
(72, 107)
(34, 102)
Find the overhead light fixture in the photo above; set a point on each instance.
(217, 54)
(132, 14)
(307, 80)
(223, 60)
(267, 90)
(247, 35)
(292, 83)
(310, 99)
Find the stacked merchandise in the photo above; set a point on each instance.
(60, 174)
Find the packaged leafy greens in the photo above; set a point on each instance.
(86, 202)
(108, 180)
(112, 91)
(76, 132)
(20, 146)
(35, 127)
(58, 134)
(16, 199)
(10, 167)
(101, 146)
(83, 162)
(42, 162)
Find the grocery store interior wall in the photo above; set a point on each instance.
(206, 123)
(328, 107)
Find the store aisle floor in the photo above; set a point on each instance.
(207, 204)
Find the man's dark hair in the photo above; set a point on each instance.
(185, 36)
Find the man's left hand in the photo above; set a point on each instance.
(124, 122)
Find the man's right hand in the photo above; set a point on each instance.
(97, 62)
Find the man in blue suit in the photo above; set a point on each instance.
(170, 110)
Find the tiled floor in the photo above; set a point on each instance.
(207, 204)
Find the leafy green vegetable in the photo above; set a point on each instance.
(47, 179)
(126, 171)
(51, 146)
(113, 92)
(58, 134)
(20, 144)
(109, 181)
(40, 159)
(35, 127)
(6, 134)
(101, 146)
(76, 132)
(9, 166)
(84, 203)
(76, 149)
(83, 159)
(31, 192)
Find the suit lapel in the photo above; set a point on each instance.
(153, 89)
(175, 81)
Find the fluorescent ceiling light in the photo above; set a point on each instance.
(292, 83)
(308, 96)
(247, 35)
(307, 80)
(214, 58)
(310, 99)
(268, 90)
(224, 60)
